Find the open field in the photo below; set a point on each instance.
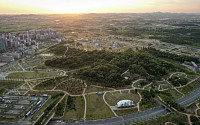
(96, 108)
(164, 85)
(79, 109)
(114, 97)
(126, 111)
(172, 94)
(31, 75)
(6, 85)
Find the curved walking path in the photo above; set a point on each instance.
(83, 94)
(21, 67)
(66, 51)
(169, 123)
(109, 105)
(136, 82)
(198, 108)
(138, 104)
(188, 83)
(174, 74)
(85, 110)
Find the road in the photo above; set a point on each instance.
(158, 111)
(146, 115)
(189, 98)
(122, 119)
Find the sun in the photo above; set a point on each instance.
(73, 6)
(88, 6)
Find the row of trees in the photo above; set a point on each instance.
(180, 58)
(70, 103)
(60, 108)
(173, 104)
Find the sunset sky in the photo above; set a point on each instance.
(97, 6)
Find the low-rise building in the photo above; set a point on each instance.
(15, 55)
(4, 58)
(125, 103)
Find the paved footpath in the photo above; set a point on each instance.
(158, 111)
(123, 119)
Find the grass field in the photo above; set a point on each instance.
(30, 75)
(172, 94)
(96, 108)
(126, 111)
(164, 85)
(113, 98)
(6, 85)
(79, 109)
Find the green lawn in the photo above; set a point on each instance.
(6, 85)
(164, 85)
(172, 94)
(96, 108)
(113, 98)
(79, 109)
(30, 75)
(126, 111)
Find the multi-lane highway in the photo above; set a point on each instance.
(158, 111)
(146, 115)
(189, 98)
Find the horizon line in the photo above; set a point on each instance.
(99, 13)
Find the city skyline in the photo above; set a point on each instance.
(97, 6)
